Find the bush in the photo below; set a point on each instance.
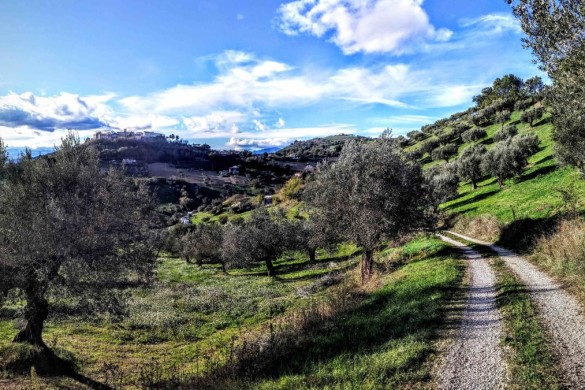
(564, 250)
(507, 132)
(292, 189)
(429, 145)
(532, 115)
(473, 135)
(522, 105)
(444, 152)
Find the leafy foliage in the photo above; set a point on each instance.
(370, 194)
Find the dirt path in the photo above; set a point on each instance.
(476, 360)
(560, 313)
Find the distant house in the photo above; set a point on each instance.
(135, 135)
(267, 200)
(129, 161)
(185, 220)
(224, 173)
(235, 170)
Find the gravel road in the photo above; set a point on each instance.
(476, 360)
(560, 313)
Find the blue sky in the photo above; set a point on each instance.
(238, 74)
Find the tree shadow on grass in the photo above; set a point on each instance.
(537, 172)
(403, 314)
(543, 160)
(473, 199)
(521, 235)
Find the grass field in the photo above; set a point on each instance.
(191, 316)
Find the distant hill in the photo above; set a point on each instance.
(318, 148)
(274, 149)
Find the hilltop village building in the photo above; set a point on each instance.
(135, 135)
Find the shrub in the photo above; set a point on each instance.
(507, 132)
(522, 105)
(445, 137)
(469, 164)
(532, 115)
(429, 145)
(563, 251)
(444, 152)
(292, 189)
(474, 134)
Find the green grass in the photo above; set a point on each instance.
(533, 195)
(386, 341)
(191, 311)
(195, 311)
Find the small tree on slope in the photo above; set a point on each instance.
(370, 194)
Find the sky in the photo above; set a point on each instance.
(247, 74)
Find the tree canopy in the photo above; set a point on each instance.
(67, 228)
(371, 193)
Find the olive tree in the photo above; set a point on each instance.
(473, 135)
(554, 33)
(443, 182)
(67, 228)
(314, 232)
(203, 244)
(469, 164)
(444, 152)
(370, 194)
(263, 238)
(532, 115)
(509, 158)
(507, 132)
(503, 116)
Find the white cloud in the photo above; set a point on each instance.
(259, 125)
(375, 26)
(24, 136)
(216, 122)
(280, 123)
(240, 17)
(62, 111)
(248, 143)
(246, 83)
(452, 96)
(493, 24)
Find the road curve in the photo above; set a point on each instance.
(476, 360)
(559, 312)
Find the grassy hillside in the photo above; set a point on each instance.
(535, 194)
(195, 318)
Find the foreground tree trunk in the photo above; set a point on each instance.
(35, 314)
(367, 265)
(270, 268)
(473, 185)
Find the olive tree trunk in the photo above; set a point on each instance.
(312, 254)
(35, 314)
(367, 265)
(270, 267)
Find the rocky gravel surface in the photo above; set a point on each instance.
(560, 313)
(476, 360)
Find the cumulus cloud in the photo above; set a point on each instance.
(375, 26)
(64, 111)
(216, 122)
(248, 143)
